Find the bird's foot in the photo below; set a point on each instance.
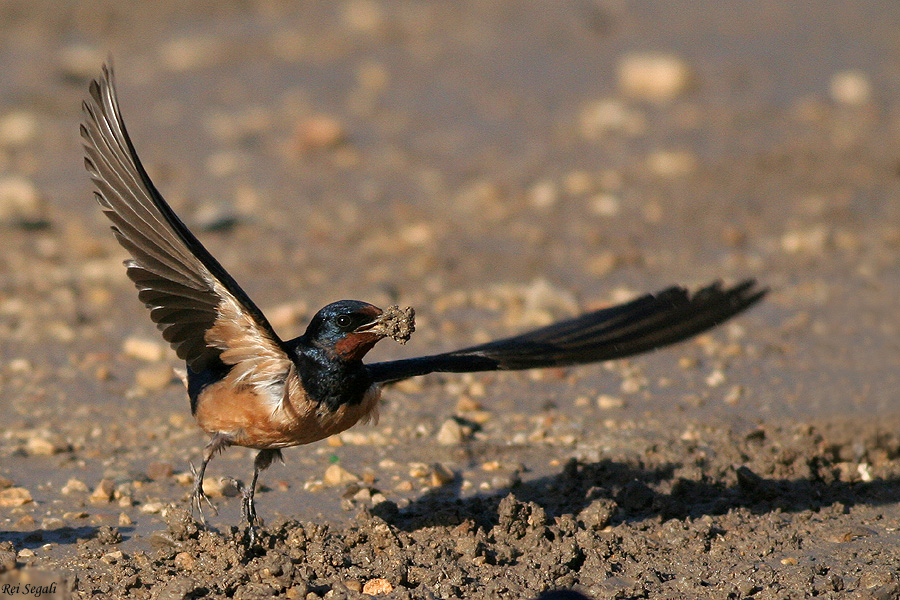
(248, 511)
(198, 496)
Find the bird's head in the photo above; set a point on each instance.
(348, 329)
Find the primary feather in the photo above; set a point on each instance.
(199, 308)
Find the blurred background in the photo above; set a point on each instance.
(495, 164)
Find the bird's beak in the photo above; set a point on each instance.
(394, 323)
(375, 316)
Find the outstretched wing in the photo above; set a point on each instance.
(200, 310)
(648, 322)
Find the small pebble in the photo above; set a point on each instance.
(103, 493)
(362, 495)
(598, 119)
(603, 263)
(672, 163)
(113, 557)
(218, 487)
(450, 433)
(605, 205)
(441, 475)
(409, 386)
(688, 362)
(417, 234)
(14, 496)
(185, 478)
(20, 365)
(39, 445)
(155, 377)
(812, 241)
(142, 349)
(373, 76)
(124, 520)
(51, 523)
(18, 128)
(152, 508)
(478, 416)
(20, 203)
(716, 378)
(363, 16)
(418, 470)
(577, 183)
(184, 561)
(338, 475)
(26, 522)
(543, 195)
(734, 395)
(633, 384)
(653, 76)
(80, 62)
(319, 133)
(220, 164)
(606, 402)
(850, 87)
(377, 587)
(298, 592)
(189, 53)
(504, 481)
(480, 195)
(865, 472)
(467, 404)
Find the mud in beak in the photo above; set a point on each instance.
(394, 322)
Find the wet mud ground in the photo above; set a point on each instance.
(496, 165)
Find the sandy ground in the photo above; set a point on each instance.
(496, 165)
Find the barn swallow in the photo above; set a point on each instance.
(248, 387)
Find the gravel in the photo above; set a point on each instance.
(498, 166)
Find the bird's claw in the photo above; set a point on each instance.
(248, 511)
(198, 496)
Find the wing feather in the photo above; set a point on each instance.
(199, 308)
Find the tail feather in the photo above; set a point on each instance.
(646, 323)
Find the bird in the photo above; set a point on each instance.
(248, 387)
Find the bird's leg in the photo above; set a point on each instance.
(218, 443)
(262, 462)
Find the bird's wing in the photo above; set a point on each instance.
(200, 310)
(643, 324)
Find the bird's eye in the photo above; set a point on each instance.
(343, 321)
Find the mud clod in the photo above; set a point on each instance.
(398, 323)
